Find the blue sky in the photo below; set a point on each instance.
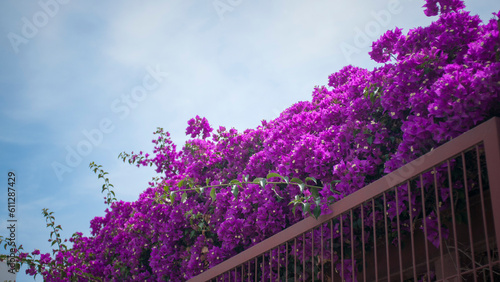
(82, 81)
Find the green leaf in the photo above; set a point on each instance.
(316, 211)
(257, 180)
(373, 97)
(287, 180)
(311, 179)
(181, 183)
(365, 92)
(302, 187)
(212, 194)
(246, 177)
(207, 181)
(184, 197)
(296, 180)
(235, 191)
(306, 208)
(293, 209)
(261, 181)
(272, 174)
(166, 188)
(314, 192)
(317, 201)
(235, 182)
(172, 196)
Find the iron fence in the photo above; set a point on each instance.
(435, 219)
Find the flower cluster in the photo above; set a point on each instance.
(198, 126)
(435, 83)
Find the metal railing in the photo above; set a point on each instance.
(435, 219)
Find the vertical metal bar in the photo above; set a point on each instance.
(303, 256)
(321, 257)
(424, 219)
(341, 248)
(270, 265)
(332, 272)
(352, 245)
(412, 231)
(279, 261)
(471, 239)
(438, 214)
(312, 254)
(484, 212)
(399, 236)
(286, 261)
(453, 222)
(492, 149)
(295, 259)
(375, 239)
(386, 239)
(363, 239)
(256, 268)
(264, 266)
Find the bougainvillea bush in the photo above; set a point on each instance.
(433, 84)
